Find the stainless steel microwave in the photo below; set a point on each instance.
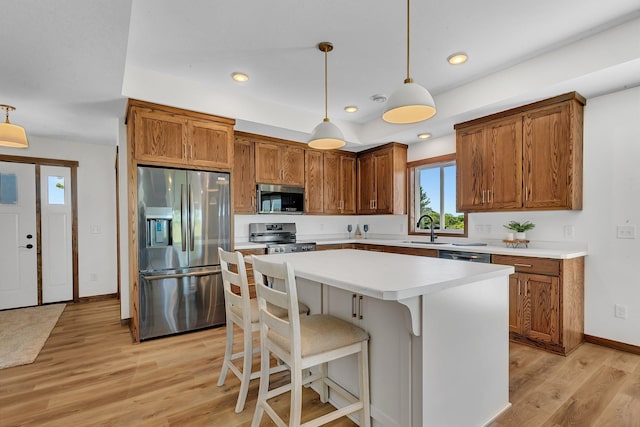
(279, 199)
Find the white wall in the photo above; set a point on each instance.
(96, 208)
(611, 198)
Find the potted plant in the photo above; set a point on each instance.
(520, 228)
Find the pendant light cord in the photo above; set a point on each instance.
(326, 87)
(408, 79)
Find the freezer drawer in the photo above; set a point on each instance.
(174, 302)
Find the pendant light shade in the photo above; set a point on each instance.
(12, 135)
(326, 136)
(411, 103)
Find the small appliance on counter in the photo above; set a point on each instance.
(280, 237)
(183, 218)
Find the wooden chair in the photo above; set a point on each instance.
(302, 343)
(243, 311)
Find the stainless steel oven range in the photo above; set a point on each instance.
(280, 237)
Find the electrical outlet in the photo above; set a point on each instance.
(626, 232)
(95, 229)
(620, 311)
(569, 232)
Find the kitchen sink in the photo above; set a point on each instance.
(426, 243)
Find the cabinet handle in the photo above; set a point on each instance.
(526, 192)
(353, 305)
(184, 151)
(489, 196)
(360, 308)
(191, 151)
(518, 286)
(253, 201)
(523, 265)
(483, 197)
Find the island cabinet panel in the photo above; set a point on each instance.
(390, 381)
(169, 136)
(313, 182)
(339, 183)
(278, 163)
(527, 158)
(546, 302)
(382, 180)
(433, 253)
(243, 176)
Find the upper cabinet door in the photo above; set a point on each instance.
(366, 184)
(293, 165)
(348, 184)
(470, 177)
(503, 166)
(243, 177)
(210, 144)
(550, 158)
(313, 186)
(268, 168)
(384, 181)
(159, 136)
(331, 183)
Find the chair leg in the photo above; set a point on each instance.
(263, 389)
(295, 412)
(227, 354)
(324, 388)
(363, 362)
(247, 363)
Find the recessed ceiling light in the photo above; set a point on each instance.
(457, 58)
(379, 98)
(350, 108)
(240, 77)
(424, 135)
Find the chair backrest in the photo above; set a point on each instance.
(230, 261)
(266, 275)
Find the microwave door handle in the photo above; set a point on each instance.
(183, 225)
(191, 220)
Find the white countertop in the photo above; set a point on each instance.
(535, 249)
(384, 275)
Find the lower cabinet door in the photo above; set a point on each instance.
(541, 308)
(515, 304)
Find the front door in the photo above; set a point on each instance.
(18, 239)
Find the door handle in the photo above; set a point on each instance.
(29, 246)
(360, 316)
(353, 305)
(183, 219)
(191, 221)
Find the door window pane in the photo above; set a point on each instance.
(55, 190)
(8, 188)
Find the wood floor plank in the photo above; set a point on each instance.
(90, 373)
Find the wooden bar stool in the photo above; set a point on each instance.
(302, 343)
(243, 311)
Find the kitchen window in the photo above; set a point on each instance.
(433, 192)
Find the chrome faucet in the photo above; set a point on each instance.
(433, 237)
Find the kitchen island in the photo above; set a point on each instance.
(439, 331)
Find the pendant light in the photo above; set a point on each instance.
(326, 136)
(11, 135)
(411, 103)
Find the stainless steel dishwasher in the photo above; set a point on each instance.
(465, 256)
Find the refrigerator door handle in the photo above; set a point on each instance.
(191, 221)
(183, 226)
(180, 275)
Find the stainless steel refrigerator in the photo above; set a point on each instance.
(183, 218)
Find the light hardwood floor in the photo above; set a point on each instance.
(89, 373)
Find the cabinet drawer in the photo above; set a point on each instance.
(550, 267)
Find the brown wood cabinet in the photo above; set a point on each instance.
(313, 181)
(339, 183)
(546, 302)
(279, 163)
(243, 176)
(527, 158)
(173, 137)
(382, 176)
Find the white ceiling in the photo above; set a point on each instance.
(69, 65)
